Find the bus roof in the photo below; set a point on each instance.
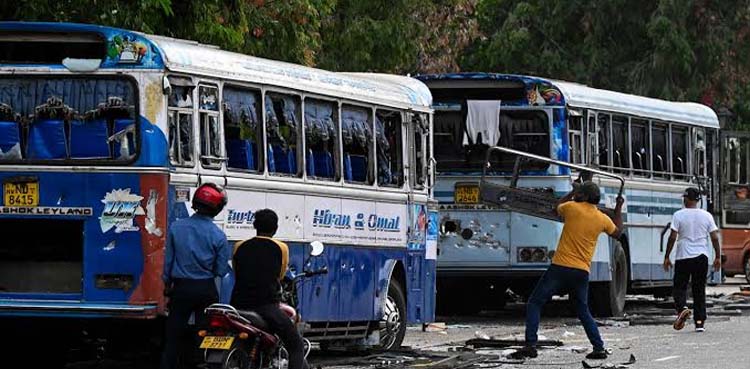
(185, 56)
(189, 56)
(582, 96)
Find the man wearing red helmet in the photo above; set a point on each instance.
(197, 251)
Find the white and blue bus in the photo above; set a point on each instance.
(659, 147)
(105, 133)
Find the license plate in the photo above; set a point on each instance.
(467, 194)
(21, 194)
(217, 342)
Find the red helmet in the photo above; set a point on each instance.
(210, 197)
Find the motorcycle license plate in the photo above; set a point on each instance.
(217, 342)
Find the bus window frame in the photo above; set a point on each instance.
(184, 110)
(95, 161)
(300, 133)
(668, 175)
(370, 108)
(675, 176)
(338, 149)
(646, 125)
(261, 170)
(580, 148)
(403, 162)
(214, 162)
(412, 130)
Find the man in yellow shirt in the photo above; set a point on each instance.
(569, 272)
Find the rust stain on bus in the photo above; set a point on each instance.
(154, 100)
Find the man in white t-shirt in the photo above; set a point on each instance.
(691, 228)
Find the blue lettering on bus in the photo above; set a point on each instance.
(240, 217)
(384, 224)
(325, 218)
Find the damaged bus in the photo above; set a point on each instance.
(658, 147)
(105, 133)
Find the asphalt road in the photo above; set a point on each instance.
(724, 344)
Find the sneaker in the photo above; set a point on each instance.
(523, 353)
(682, 317)
(699, 326)
(598, 355)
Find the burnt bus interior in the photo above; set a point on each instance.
(520, 128)
(41, 256)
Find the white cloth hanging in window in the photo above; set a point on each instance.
(482, 118)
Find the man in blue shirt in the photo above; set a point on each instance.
(197, 251)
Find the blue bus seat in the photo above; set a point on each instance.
(323, 164)
(347, 168)
(359, 168)
(89, 139)
(285, 160)
(121, 124)
(310, 163)
(270, 160)
(10, 140)
(47, 140)
(241, 154)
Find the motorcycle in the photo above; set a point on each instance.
(240, 339)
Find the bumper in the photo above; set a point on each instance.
(74, 309)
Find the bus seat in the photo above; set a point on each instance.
(284, 159)
(323, 164)
(270, 159)
(88, 139)
(10, 140)
(47, 140)
(241, 154)
(121, 124)
(359, 168)
(347, 168)
(310, 163)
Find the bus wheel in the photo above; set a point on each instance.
(747, 268)
(608, 298)
(394, 318)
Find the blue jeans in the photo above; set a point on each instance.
(559, 280)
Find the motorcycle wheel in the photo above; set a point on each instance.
(394, 315)
(235, 358)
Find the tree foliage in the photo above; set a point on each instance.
(674, 49)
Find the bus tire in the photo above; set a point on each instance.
(394, 317)
(608, 298)
(747, 268)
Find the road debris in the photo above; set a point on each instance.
(626, 364)
(498, 343)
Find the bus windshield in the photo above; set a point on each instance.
(59, 120)
(522, 129)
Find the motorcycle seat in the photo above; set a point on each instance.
(255, 319)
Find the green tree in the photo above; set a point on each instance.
(673, 49)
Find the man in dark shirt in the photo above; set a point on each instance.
(196, 252)
(259, 265)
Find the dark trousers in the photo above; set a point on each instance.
(189, 296)
(282, 326)
(558, 279)
(695, 269)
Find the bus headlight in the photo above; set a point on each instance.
(538, 255)
(532, 254)
(467, 233)
(449, 226)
